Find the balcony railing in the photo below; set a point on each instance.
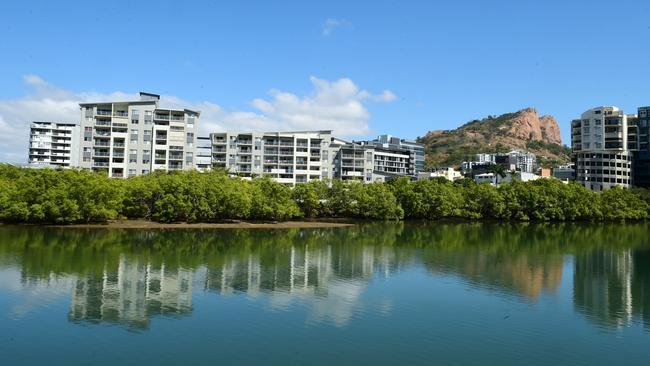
(103, 112)
(162, 117)
(120, 114)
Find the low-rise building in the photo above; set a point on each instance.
(565, 173)
(450, 174)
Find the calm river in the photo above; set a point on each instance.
(376, 294)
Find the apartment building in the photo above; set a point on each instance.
(131, 138)
(203, 153)
(371, 162)
(53, 144)
(395, 144)
(287, 157)
(603, 141)
(516, 160)
(641, 157)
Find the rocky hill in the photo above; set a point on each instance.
(522, 130)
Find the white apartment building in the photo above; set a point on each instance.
(287, 157)
(53, 144)
(600, 145)
(203, 153)
(369, 162)
(132, 138)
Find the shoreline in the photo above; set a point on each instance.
(144, 224)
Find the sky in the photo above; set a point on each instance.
(361, 68)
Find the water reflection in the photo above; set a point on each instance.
(128, 277)
(131, 293)
(611, 287)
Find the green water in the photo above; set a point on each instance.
(380, 294)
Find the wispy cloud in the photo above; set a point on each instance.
(331, 24)
(339, 105)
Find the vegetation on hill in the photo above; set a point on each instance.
(523, 130)
(73, 196)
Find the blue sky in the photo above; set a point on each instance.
(444, 62)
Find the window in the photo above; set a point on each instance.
(190, 121)
(145, 171)
(133, 156)
(135, 116)
(88, 133)
(190, 137)
(132, 172)
(146, 156)
(188, 158)
(147, 137)
(148, 117)
(134, 135)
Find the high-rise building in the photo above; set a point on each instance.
(53, 144)
(287, 157)
(136, 137)
(642, 156)
(602, 141)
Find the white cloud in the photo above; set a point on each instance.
(331, 24)
(337, 105)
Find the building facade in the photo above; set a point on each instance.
(203, 153)
(641, 169)
(131, 138)
(370, 162)
(603, 140)
(287, 157)
(395, 143)
(53, 144)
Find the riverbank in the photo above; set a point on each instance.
(144, 224)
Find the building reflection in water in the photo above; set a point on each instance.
(131, 294)
(128, 277)
(609, 288)
(330, 279)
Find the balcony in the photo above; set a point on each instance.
(100, 164)
(162, 117)
(122, 114)
(101, 154)
(102, 123)
(100, 143)
(175, 166)
(161, 156)
(103, 112)
(175, 156)
(102, 134)
(177, 118)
